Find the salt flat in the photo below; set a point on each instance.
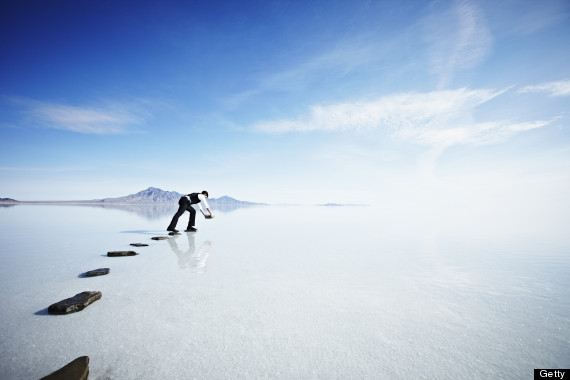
(285, 293)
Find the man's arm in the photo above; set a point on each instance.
(203, 198)
(207, 216)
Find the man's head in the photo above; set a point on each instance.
(205, 193)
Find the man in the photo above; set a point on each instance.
(185, 204)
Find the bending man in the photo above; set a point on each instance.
(185, 204)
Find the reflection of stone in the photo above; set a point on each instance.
(97, 272)
(75, 370)
(196, 261)
(76, 303)
(121, 253)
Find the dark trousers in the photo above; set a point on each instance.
(184, 205)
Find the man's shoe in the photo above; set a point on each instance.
(191, 229)
(172, 230)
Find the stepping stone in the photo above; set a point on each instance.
(139, 245)
(75, 370)
(77, 303)
(97, 272)
(159, 238)
(174, 233)
(121, 253)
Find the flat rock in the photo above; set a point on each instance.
(121, 253)
(75, 370)
(159, 238)
(97, 272)
(76, 303)
(139, 245)
(174, 233)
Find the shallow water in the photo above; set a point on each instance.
(284, 293)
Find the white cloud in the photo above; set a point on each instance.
(406, 115)
(436, 120)
(107, 118)
(476, 134)
(338, 61)
(333, 63)
(529, 16)
(553, 89)
(458, 39)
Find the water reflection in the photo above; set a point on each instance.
(148, 211)
(191, 259)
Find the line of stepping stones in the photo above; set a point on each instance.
(79, 368)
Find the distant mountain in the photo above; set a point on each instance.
(8, 200)
(225, 200)
(341, 204)
(150, 195)
(155, 195)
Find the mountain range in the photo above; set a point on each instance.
(151, 195)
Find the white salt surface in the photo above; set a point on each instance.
(284, 293)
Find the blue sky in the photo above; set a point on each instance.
(286, 101)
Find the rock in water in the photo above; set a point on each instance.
(97, 272)
(174, 233)
(77, 303)
(121, 253)
(139, 245)
(159, 238)
(76, 370)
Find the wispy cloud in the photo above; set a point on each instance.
(530, 16)
(20, 169)
(553, 89)
(458, 39)
(436, 120)
(407, 115)
(330, 64)
(345, 57)
(475, 134)
(104, 118)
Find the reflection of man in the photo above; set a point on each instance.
(185, 204)
(191, 258)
